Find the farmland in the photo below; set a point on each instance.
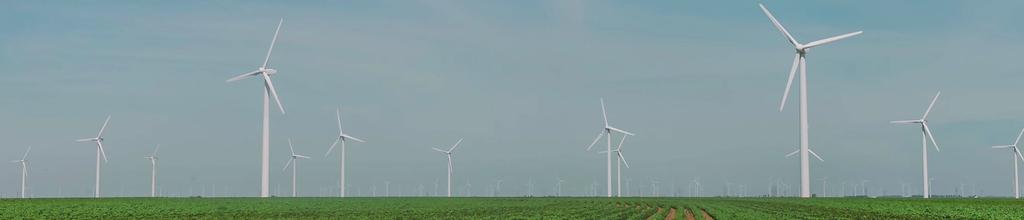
(510, 208)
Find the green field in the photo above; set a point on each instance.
(509, 208)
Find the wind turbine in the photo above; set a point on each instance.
(342, 137)
(99, 151)
(24, 170)
(799, 61)
(294, 162)
(1016, 155)
(269, 91)
(152, 179)
(607, 130)
(926, 134)
(449, 154)
(621, 160)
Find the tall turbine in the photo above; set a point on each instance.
(621, 160)
(294, 162)
(99, 151)
(152, 179)
(607, 130)
(926, 134)
(342, 137)
(1016, 155)
(269, 91)
(799, 60)
(448, 153)
(24, 170)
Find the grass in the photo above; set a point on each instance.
(508, 208)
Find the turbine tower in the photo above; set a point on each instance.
(926, 134)
(24, 170)
(99, 151)
(621, 160)
(1016, 155)
(269, 91)
(342, 137)
(294, 162)
(607, 130)
(152, 179)
(448, 153)
(799, 61)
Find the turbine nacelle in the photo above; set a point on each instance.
(268, 71)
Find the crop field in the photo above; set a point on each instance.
(510, 208)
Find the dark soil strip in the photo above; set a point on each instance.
(706, 215)
(671, 214)
(689, 215)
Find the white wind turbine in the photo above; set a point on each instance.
(342, 137)
(1016, 155)
(99, 151)
(799, 60)
(926, 134)
(294, 162)
(607, 130)
(24, 170)
(152, 160)
(269, 90)
(621, 160)
(448, 153)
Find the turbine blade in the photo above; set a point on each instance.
(1017, 142)
(273, 92)
(104, 153)
(1002, 146)
(332, 146)
(353, 138)
(338, 113)
(439, 150)
(289, 163)
(26, 153)
(928, 132)
(619, 148)
(243, 76)
(622, 158)
(789, 82)
(931, 105)
(85, 139)
(604, 114)
(456, 145)
(779, 26)
(157, 149)
(1018, 153)
(303, 156)
(815, 155)
(272, 42)
(104, 127)
(620, 131)
(831, 39)
(290, 147)
(794, 153)
(595, 140)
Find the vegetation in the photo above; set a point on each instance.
(509, 208)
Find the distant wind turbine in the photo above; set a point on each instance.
(448, 153)
(607, 130)
(24, 170)
(269, 91)
(99, 151)
(800, 61)
(294, 162)
(926, 134)
(152, 179)
(1016, 155)
(342, 137)
(621, 160)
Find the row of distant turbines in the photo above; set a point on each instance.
(799, 63)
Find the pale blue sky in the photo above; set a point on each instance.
(699, 82)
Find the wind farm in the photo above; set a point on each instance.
(691, 85)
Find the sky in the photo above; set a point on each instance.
(699, 82)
